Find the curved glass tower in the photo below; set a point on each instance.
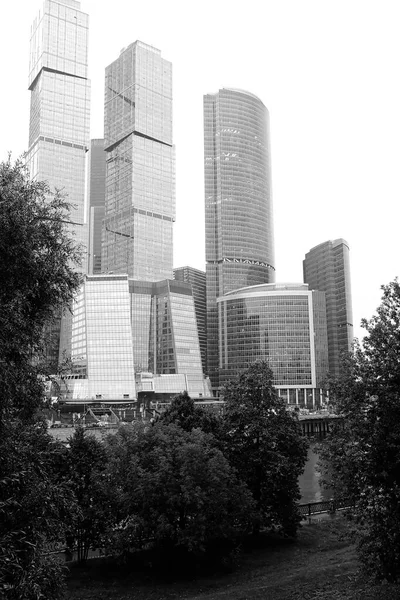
(238, 202)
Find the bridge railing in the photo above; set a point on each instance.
(323, 506)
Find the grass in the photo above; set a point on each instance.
(321, 564)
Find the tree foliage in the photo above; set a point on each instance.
(37, 259)
(33, 510)
(361, 459)
(184, 413)
(263, 442)
(174, 489)
(85, 463)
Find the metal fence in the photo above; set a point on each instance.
(324, 506)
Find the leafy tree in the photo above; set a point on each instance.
(84, 471)
(32, 512)
(173, 488)
(263, 442)
(361, 459)
(37, 258)
(184, 413)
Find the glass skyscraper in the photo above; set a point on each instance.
(238, 202)
(326, 267)
(140, 165)
(156, 342)
(60, 104)
(282, 324)
(59, 122)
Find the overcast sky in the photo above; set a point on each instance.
(329, 73)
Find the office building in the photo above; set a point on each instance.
(133, 337)
(197, 280)
(59, 120)
(327, 268)
(161, 355)
(102, 352)
(95, 200)
(60, 104)
(238, 202)
(283, 324)
(140, 165)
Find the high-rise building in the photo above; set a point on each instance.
(283, 324)
(327, 268)
(238, 202)
(162, 351)
(140, 167)
(60, 104)
(59, 118)
(95, 199)
(197, 280)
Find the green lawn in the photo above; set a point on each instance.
(322, 564)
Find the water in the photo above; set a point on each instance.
(310, 488)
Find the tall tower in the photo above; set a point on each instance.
(59, 122)
(60, 104)
(95, 200)
(140, 165)
(327, 268)
(238, 202)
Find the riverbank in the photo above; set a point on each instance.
(321, 564)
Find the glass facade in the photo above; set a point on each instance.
(327, 268)
(283, 324)
(60, 104)
(101, 347)
(123, 327)
(140, 165)
(96, 198)
(238, 202)
(197, 280)
(164, 331)
(59, 122)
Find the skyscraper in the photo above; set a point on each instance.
(327, 268)
(59, 119)
(60, 104)
(95, 198)
(163, 342)
(238, 202)
(140, 171)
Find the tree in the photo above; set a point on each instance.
(361, 458)
(172, 488)
(264, 443)
(85, 463)
(33, 509)
(37, 259)
(184, 413)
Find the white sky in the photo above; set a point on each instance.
(328, 71)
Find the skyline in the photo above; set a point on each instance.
(326, 73)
